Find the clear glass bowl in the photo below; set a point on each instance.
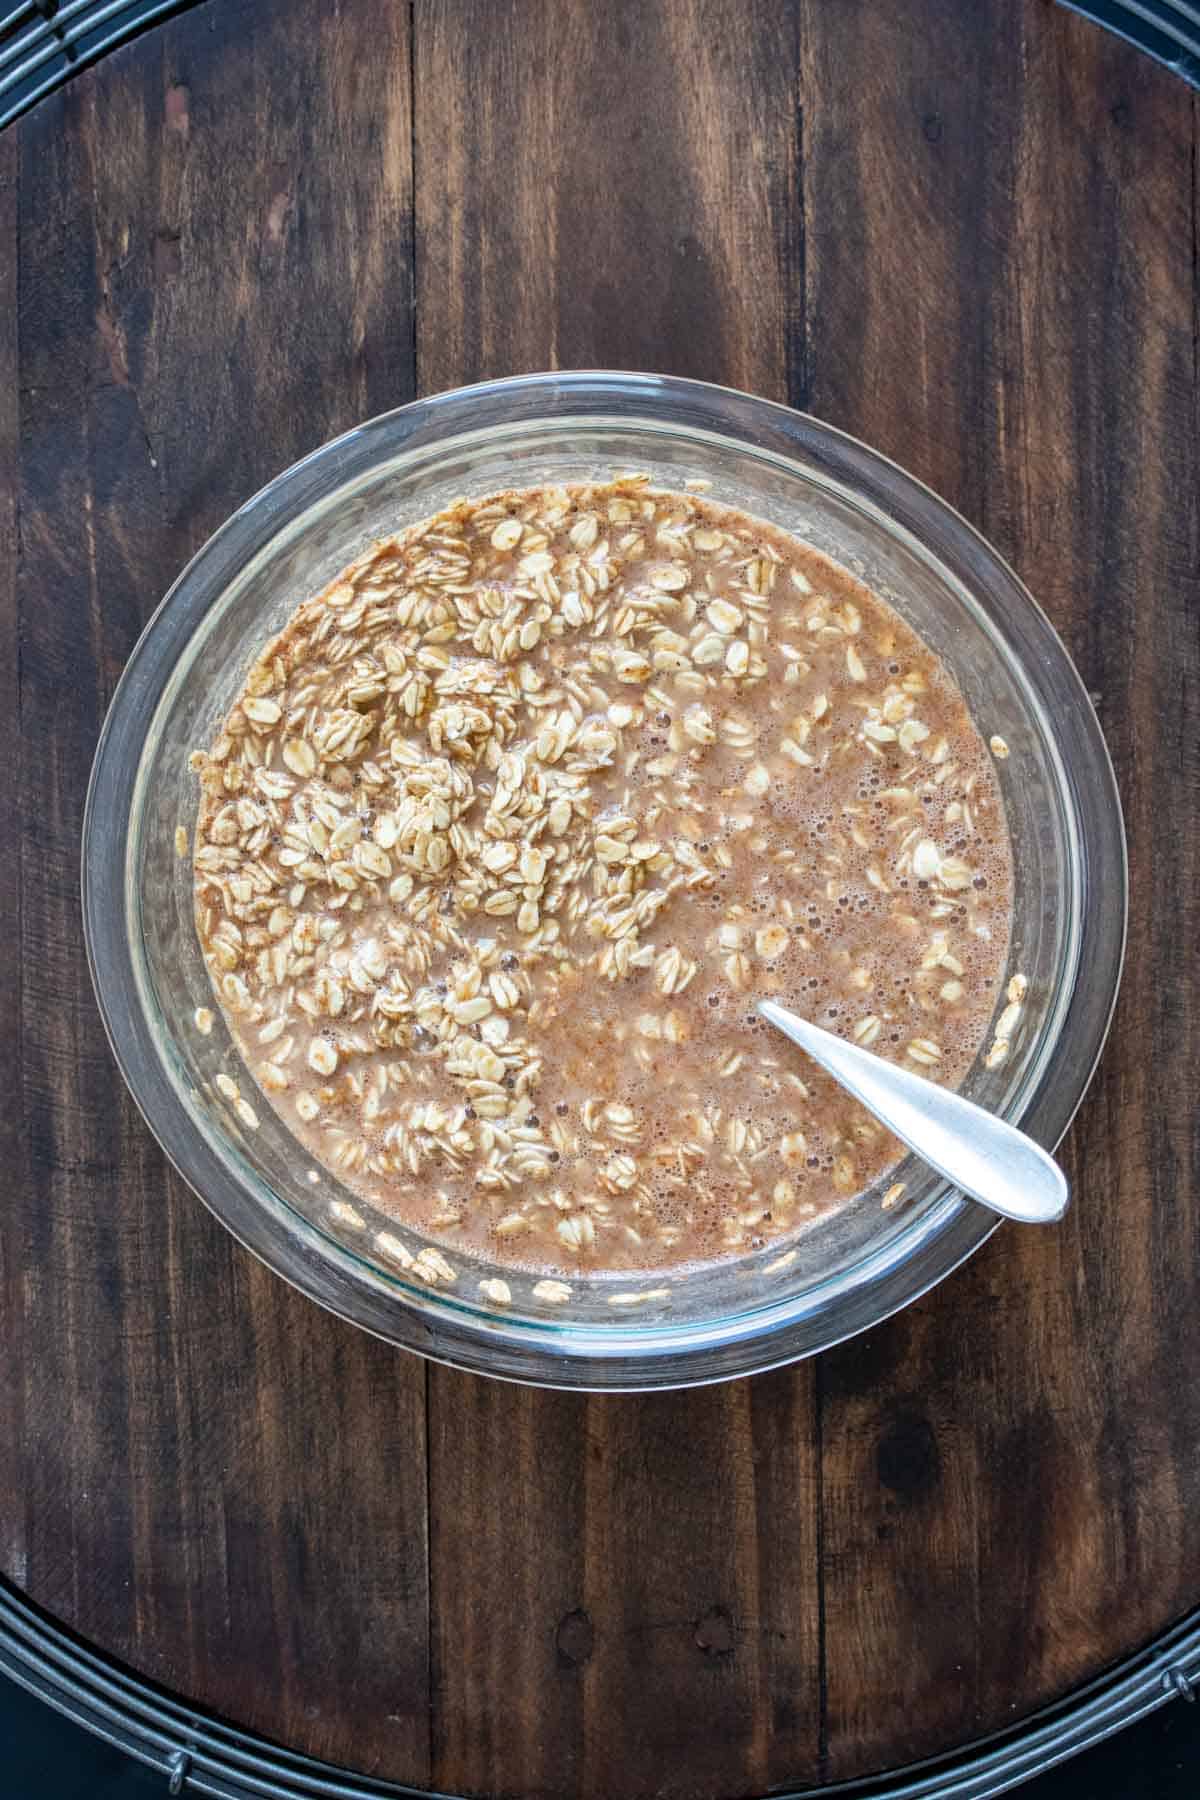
(704, 1323)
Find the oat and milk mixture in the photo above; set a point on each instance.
(513, 825)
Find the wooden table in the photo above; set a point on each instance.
(965, 232)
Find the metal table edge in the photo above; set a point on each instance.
(196, 1753)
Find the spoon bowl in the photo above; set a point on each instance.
(988, 1159)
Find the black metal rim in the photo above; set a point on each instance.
(43, 43)
(196, 1753)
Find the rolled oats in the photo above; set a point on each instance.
(512, 826)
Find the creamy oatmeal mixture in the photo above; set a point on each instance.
(513, 825)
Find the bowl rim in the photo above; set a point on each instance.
(567, 1354)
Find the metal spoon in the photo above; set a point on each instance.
(992, 1162)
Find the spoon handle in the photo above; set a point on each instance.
(988, 1159)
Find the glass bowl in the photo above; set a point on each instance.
(696, 1324)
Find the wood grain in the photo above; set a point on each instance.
(968, 234)
(204, 1457)
(1002, 1472)
(627, 1618)
(610, 189)
(11, 1538)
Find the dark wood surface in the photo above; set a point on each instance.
(967, 233)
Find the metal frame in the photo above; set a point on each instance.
(196, 1754)
(44, 42)
(1167, 30)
